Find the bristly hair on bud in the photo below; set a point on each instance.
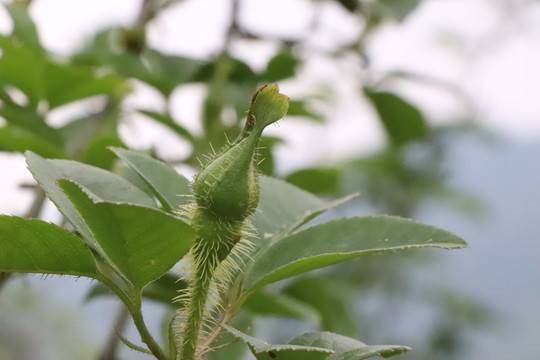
(226, 193)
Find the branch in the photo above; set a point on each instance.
(111, 346)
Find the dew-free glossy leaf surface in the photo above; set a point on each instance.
(328, 340)
(96, 152)
(35, 246)
(385, 351)
(346, 348)
(168, 186)
(162, 290)
(142, 242)
(316, 345)
(264, 351)
(343, 239)
(104, 185)
(284, 207)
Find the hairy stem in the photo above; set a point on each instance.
(226, 316)
(207, 260)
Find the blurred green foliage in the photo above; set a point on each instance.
(34, 82)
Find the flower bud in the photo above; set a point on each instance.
(228, 188)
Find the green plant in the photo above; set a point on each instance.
(129, 231)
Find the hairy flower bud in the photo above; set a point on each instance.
(228, 187)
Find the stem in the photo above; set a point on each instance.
(133, 304)
(37, 205)
(226, 316)
(230, 308)
(146, 337)
(149, 10)
(111, 347)
(215, 100)
(4, 277)
(206, 264)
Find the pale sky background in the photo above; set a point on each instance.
(489, 49)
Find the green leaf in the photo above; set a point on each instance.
(343, 239)
(166, 72)
(98, 290)
(346, 348)
(22, 68)
(227, 346)
(398, 9)
(281, 66)
(402, 121)
(350, 5)
(327, 340)
(132, 176)
(41, 79)
(27, 118)
(67, 83)
(24, 29)
(96, 152)
(143, 243)
(13, 138)
(263, 302)
(163, 72)
(35, 246)
(317, 181)
(264, 351)
(316, 345)
(104, 185)
(284, 207)
(300, 108)
(385, 351)
(162, 290)
(331, 297)
(165, 289)
(240, 72)
(168, 186)
(168, 121)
